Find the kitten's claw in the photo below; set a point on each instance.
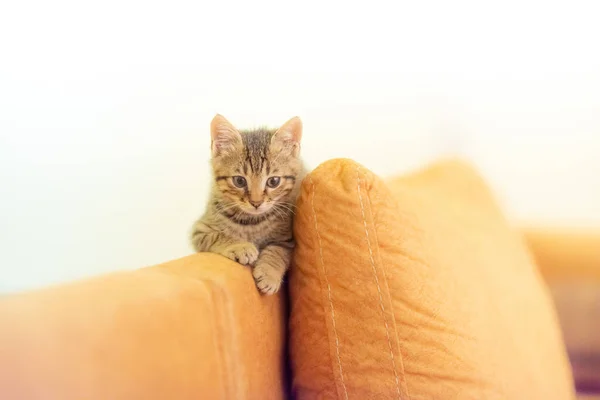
(244, 253)
(267, 278)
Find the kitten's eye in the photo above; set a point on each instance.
(273, 182)
(239, 181)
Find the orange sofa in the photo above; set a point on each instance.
(197, 328)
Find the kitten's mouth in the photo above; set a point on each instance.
(256, 211)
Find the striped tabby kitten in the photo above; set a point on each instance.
(249, 215)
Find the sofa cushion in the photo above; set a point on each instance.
(570, 262)
(417, 288)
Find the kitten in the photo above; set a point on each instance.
(248, 218)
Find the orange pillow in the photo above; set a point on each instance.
(417, 289)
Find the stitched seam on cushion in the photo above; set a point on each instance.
(385, 282)
(228, 383)
(224, 328)
(372, 259)
(337, 342)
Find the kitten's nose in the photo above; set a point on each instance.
(256, 204)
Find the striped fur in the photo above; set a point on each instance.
(232, 225)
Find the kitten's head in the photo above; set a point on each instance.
(255, 170)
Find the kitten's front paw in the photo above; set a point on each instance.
(268, 279)
(245, 253)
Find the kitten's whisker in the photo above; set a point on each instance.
(276, 209)
(277, 212)
(280, 215)
(285, 207)
(225, 207)
(288, 206)
(285, 203)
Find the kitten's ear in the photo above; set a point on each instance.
(225, 138)
(288, 137)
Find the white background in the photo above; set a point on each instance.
(105, 108)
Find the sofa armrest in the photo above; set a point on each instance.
(569, 260)
(566, 255)
(191, 328)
